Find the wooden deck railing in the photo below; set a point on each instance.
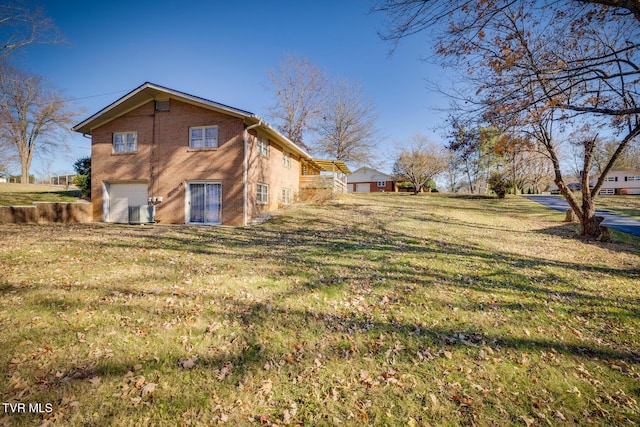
(323, 181)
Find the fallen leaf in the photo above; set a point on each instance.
(187, 363)
(434, 399)
(266, 387)
(463, 401)
(95, 381)
(560, 416)
(527, 420)
(139, 382)
(149, 388)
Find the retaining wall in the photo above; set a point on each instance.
(46, 212)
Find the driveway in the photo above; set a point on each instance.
(611, 220)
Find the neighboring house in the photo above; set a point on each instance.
(622, 181)
(195, 160)
(573, 186)
(368, 180)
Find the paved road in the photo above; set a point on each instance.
(622, 223)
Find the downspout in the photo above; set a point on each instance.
(245, 165)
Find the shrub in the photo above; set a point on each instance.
(498, 184)
(83, 179)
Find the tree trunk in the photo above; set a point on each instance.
(25, 172)
(590, 226)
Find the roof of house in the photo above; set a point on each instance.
(633, 171)
(367, 174)
(152, 92)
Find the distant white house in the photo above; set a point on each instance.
(621, 181)
(369, 180)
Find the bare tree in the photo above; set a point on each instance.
(420, 162)
(454, 172)
(409, 17)
(21, 25)
(33, 117)
(572, 63)
(299, 89)
(346, 130)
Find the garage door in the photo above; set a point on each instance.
(121, 196)
(363, 188)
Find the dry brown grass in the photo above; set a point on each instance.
(383, 309)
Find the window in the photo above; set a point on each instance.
(204, 202)
(125, 142)
(263, 194)
(263, 146)
(286, 196)
(203, 137)
(286, 160)
(382, 183)
(611, 179)
(607, 191)
(632, 178)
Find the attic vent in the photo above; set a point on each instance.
(162, 105)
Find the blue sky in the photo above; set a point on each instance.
(222, 50)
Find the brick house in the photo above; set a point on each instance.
(368, 180)
(185, 159)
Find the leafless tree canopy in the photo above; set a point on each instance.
(419, 162)
(21, 25)
(299, 88)
(346, 130)
(33, 118)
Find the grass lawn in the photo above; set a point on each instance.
(26, 194)
(621, 205)
(381, 309)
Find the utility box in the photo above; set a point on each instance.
(142, 214)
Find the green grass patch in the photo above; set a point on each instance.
(621, 205)
(26, 194)
(381, 309)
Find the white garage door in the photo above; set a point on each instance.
(121, 196)
(363, 188)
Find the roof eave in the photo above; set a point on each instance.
(145, 93)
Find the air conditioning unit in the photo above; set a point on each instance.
(141, 214)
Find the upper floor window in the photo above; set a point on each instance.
(611, 179)
(203, 137)
(125, 142)
(632, 178)
(286, 160)
(263, 146)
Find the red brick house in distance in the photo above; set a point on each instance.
(184, 159)
(369, 180)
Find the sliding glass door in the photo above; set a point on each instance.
(204, 200)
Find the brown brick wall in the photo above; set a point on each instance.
(373, 186)
(165, 162)
(270, 171)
